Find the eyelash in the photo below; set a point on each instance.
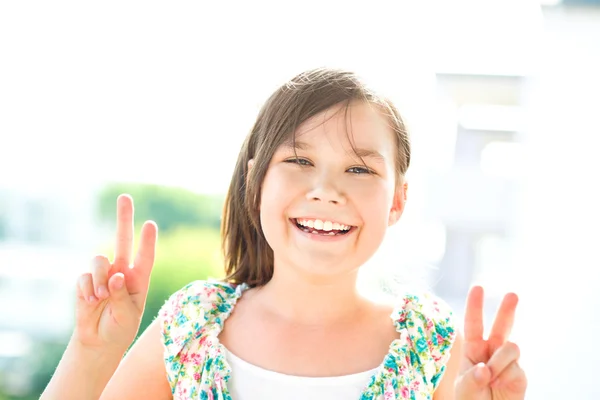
(299, 161)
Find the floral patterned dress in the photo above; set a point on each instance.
(196, 366)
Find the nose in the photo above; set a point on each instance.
(325, 191)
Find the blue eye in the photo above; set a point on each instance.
(359, 170)
(300, 161)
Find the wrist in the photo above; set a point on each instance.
(96, 354)
(97, 351)
(83, 372)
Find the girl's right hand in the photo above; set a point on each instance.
(111, 298)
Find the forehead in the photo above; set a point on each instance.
(358, 124)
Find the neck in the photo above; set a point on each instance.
(310, 300)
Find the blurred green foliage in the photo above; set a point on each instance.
(188, 246)
(188, 249)
(183, 255)
(169, 207)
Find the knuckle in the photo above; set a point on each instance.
(495, 343)
(100, 263)
(513, 348)
(84, 279)
(84, 284)
(121, 260)
(100, 258)
(524, 380)
(519, 381)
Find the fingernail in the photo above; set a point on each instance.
(92, 299)
(479, 372)
(119, 283)
(102, 292)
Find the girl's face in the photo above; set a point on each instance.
(321, 212)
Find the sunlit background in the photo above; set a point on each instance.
(502, 98)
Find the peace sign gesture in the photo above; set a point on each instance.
(111, 298)
(489, 368)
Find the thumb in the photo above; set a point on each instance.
(118, 289)
(475, 380)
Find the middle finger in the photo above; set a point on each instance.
(503, 322)
(124, 240)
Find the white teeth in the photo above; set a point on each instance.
(323, 225)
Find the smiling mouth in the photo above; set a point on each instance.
(323, 232)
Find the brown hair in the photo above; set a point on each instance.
(248, 256)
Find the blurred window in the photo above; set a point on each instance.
(581, 2)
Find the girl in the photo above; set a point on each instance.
(318, 180)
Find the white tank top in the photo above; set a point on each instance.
(249, 382)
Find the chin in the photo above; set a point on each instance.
(320, 269)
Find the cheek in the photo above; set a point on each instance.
(278, 192)
(374, 199)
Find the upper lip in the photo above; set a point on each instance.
(323, 219)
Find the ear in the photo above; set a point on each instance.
(398, 204)
(250, 165)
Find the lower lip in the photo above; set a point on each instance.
(322, 238)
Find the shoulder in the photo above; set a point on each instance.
(428, 323)
(197, 300)
(203, 291)
(425, 308)
(197, 304)
(189, 322)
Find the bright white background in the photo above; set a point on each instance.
(165, 92)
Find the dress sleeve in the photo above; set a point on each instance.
(182, 319)
(431, 332)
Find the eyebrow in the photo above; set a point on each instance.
(362, 153)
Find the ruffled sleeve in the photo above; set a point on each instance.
(415, 364)
(430, 329)
(190, 321)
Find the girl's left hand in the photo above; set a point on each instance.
(489, 368)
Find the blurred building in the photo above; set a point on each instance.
(514, 189)
(475, 196)
(474, 175)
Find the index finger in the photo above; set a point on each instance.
(505, 318)
(124, 239)
(474, 314)
(138, 279)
